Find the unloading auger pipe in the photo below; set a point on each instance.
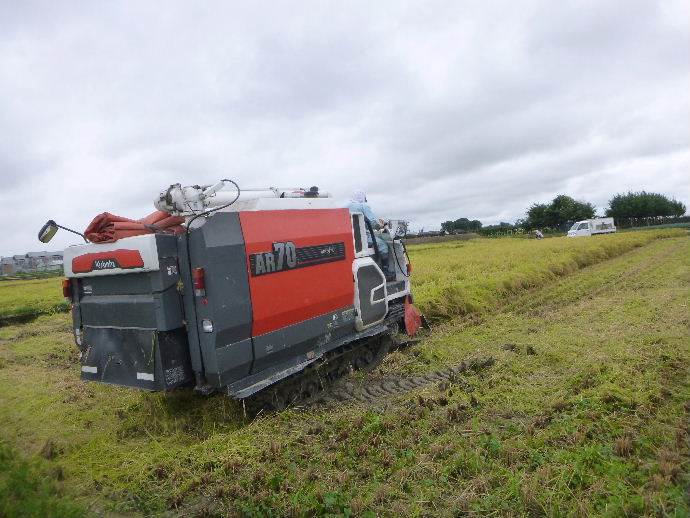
(195, 199)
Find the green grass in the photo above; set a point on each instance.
(585, 413)
(40, 274)
(31, 297)
(28, 490)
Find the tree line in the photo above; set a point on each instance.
(564, 210)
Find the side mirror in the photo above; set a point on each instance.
(47, 231)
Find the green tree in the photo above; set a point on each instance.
(643, 205)
(448, 227)
(537, 216)
(562, 209)
(461, 224)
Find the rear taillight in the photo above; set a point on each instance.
(67, 288)
(409, 268)
(199, 282)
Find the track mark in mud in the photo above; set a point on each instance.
(373, 391)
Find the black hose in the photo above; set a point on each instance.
(217, 208)
(395, 254)
(377, 254)
(70, 230)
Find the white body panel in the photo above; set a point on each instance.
(590, 227)
(255, 204)
(359, 228)
(397, 261)
(281, 204)
(377, 294)
(145, 245)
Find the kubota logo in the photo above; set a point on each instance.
(105, 264)
(107, 260)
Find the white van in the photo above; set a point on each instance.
(590, 227)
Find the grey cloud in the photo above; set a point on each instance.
(438, 110)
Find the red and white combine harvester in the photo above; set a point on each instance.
(272, 291)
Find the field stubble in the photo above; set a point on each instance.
(471, 277)
(585, 411)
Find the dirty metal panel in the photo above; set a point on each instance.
(135, 357)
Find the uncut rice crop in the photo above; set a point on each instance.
(450, 279)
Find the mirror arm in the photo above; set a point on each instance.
(73, 232)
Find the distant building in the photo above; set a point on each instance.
(31, 262)
(7, 265)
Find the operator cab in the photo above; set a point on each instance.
(393, 272)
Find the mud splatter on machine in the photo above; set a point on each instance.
(272, 292)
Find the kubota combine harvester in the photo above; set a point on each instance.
(274, 291)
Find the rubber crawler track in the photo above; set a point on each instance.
(343, 390)
(388, 387)
(320, 377)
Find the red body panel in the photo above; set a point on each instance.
(317, 284)
(123, 258)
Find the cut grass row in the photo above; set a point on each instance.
(469, 278)
(585, 413)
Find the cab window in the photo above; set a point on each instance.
(583, 226)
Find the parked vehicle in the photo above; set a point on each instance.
(591, 227)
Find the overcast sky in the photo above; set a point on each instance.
(438, 110)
